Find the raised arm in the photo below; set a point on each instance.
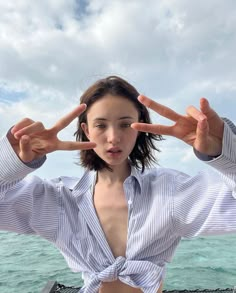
(204, 204)
(201, 128)
(29, 204)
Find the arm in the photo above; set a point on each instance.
(27, 203)
(204, 204)
(27, 144)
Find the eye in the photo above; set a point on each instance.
(100, 126)
(125, 125)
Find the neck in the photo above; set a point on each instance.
(117, 175)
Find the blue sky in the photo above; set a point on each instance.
(174, 51)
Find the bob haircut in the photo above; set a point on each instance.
(142, 154)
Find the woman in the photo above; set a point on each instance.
(121, 222)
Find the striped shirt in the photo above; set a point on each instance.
(164, 205)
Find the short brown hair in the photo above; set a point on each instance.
(142, 154)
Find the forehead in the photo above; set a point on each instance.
(111, 106)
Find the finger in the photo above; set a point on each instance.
(32, 128)
(202, 132)
(206, 109)
(205, 106)
(73, 145)
(153, 128)
(160, 109)
(25, 149)
(21, 124)
(195, 113)
(67, 119)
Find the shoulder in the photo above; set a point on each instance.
(171, 179)
(159, 173)
(158, 179)
(168, 175)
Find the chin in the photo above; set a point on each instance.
(117, 163)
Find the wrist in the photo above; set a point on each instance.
(204, 157)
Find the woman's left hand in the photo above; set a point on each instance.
(202, 129)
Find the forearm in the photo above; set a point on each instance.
(204, 157)
(28, 204)
(11, 167)
(206, 204)
(226, 162)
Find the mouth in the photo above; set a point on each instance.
(114, 151)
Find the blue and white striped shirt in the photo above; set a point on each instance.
(163, 206)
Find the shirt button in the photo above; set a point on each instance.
(130, 202)
(127, 278)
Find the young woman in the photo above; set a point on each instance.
(121, 222)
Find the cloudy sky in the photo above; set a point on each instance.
(174, 51)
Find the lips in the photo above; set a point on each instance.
(114, 150)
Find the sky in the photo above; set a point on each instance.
(174, 51)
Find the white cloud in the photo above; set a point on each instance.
(187, 156)
(173, 51)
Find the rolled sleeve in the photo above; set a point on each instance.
(12, 168)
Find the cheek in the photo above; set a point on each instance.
(96, 136)
(132, 136)
(92, 132)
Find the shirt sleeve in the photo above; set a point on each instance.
(206, 203)
(28, 204)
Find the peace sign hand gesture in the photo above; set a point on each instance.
(202, 129)
(31, 140)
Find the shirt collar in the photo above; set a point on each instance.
(69, 182)
(89, 177)
(136, 173)
(86, 181)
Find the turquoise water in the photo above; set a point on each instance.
(27, 263)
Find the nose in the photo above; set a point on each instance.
(113, 136)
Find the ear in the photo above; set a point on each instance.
(84, 126)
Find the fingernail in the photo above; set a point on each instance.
(141, 98)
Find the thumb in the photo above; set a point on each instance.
(202, 131)
(25, 154)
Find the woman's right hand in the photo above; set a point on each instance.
(31, 140)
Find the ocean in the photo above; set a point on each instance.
(28, 262)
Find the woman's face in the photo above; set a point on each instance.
(108, 125)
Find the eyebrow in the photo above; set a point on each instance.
(121, 118)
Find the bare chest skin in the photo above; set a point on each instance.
(112, 211)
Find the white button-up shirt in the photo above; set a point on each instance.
(164, 205)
